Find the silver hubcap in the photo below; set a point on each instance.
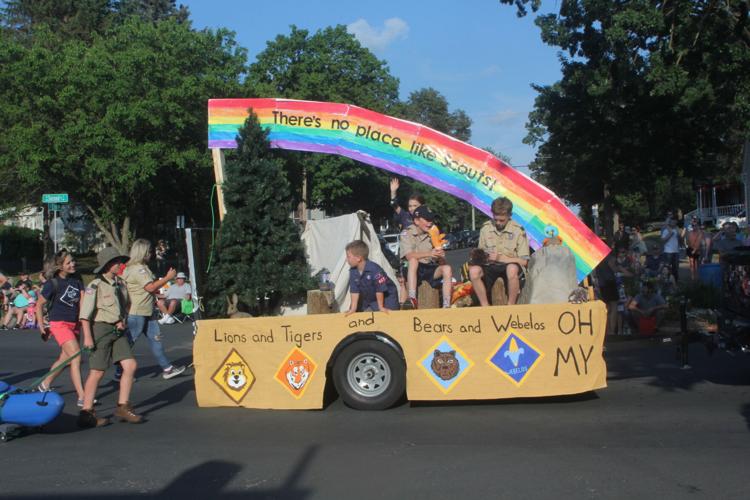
(368, 375)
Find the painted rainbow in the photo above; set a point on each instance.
(412, 150)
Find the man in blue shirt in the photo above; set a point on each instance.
(371, 288)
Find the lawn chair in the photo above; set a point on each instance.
(187, 310)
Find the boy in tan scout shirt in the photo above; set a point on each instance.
(103, 313)
(507, 248)
(426, 263)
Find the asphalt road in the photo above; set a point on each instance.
(656, 432)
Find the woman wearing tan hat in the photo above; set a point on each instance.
(103, 313)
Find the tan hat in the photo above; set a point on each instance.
(107, 255)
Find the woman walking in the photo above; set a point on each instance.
(63, 294)
(142, 317)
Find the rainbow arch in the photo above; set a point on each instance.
(413, 150)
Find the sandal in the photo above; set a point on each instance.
(43, 388)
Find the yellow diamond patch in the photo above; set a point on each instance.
(234, 377)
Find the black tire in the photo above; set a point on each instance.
(369, 375)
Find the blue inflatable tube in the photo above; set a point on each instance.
(32, 409)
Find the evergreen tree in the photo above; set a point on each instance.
(258, 252)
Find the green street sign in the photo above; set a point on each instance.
(54, 207)
(55, 198)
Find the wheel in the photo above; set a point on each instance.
(369, 375)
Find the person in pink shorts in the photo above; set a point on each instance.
(63, 294)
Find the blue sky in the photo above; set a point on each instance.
(477, 53)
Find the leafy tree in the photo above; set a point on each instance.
(119, 123)
(259, 254)
(430, 108)
(651, 92)
(328, 65)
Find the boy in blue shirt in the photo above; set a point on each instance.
(371, 288)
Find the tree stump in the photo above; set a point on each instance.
(499, 297)
(319, 302)
(428, 297)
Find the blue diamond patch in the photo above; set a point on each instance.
(515, 357)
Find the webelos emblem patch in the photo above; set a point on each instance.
(515, 357)
(234, 377)
(445, 364)
(295, 372)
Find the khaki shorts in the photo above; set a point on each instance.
(109, 347)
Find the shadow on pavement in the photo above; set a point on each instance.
(209, 480)
(169, 396)
(745, 412)
(661, 363)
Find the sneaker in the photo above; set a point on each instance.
(164, 319)
(172, 372)
(79, 403)
(87, 419)
(168, 320)
(125, 413)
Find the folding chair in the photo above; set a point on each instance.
(187, 308)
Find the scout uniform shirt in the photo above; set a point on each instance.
(372, 280)
(415, 240)
(137, 276)
(105, 301)
(511, 241)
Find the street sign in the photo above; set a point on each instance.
(55, 198)
(54, 207)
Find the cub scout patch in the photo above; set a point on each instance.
(380, 279)
(234, 377)
(89, 290)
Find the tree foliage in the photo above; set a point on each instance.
(328, 65)
(650, 90)
(117, 122)
(259, 254)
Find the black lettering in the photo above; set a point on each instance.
(396, 142)
(500, 328)
(340, 124)
(416, 325)
(216, 336)
(588, 323)
(560, 323)
(586, 358)
(571, 354)
(317, 122)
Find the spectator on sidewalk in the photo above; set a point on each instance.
(694, 241)
(726, 239)
(176, 293)
(24, 296)
(621, 238)
(670, 238)
(647, 304)
(142, 287)
(160, 255)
